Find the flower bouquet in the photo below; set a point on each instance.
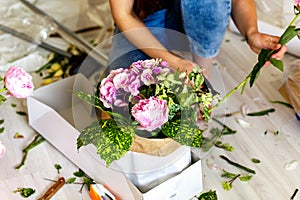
(147, 100)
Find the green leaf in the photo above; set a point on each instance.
(112, 140)
(254, 73)
(79, 173)
(225, 146)
(210, 195)
(88, 181)
(226, 185)
(22, 113)
(199, 80)
(255, 160)
(2, 99)
(288, 34)
(2, 130)
(1, 121)
(245, 178)
(261, 113)
(227, 174)
(58, 168)
(25, 192)
(283, 103)
(13, 105)
(277, 63)
(71, 180)
(184, 132)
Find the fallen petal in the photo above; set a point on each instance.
(243, 123)
(291, 165)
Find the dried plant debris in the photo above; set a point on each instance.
(18, 136)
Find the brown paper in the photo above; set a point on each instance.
(291, 87)
(154, 147)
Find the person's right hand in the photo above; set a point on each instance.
(258, 41)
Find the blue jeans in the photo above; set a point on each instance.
(163, 24)
(205, 22)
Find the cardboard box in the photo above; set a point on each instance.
(50, 112)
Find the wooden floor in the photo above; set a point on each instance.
(273, 179)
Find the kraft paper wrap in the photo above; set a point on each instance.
(154, 147)
(291, 87)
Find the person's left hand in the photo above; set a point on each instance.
(258, 41)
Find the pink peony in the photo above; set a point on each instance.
(18, 82)
(2, 150)
(150, 113)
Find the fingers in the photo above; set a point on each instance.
(280, 53)
(271, 42)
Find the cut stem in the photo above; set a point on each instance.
(237, 165)
(36, 141)
(242, 84)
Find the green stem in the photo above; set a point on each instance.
(242, 84)
(237, 165)
(233, 179)
(36, 141)
(294, 19)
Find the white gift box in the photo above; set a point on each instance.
(51, 113)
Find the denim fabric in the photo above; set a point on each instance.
(165, 25)
(123, 53)
(205, 22)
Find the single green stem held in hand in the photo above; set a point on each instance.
(264, 56)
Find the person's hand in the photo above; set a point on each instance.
(258, 41)
(179, 63)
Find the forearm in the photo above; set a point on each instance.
(136, 31)
(244, 16)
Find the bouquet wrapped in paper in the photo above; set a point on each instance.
(148, 102)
